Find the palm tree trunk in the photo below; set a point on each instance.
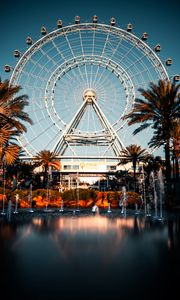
(176, 156)
(134, 168)
(168, 163)
(177, 168)
(169, 198)
(45, 176)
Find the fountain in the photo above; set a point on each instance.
(161, 193)
(123, 201)
(109, 208)
(9, 210)
(48, 192)
(48, 197)
(136, 209)
(62, 206)
(16, 205)
(3, 205)
(95, 209)
(144, 191)
(154, 194)
(148, 210)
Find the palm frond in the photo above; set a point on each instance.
(142, 127)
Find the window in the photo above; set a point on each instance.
(111, 168)
(71, 167)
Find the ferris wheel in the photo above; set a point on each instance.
(81, 79)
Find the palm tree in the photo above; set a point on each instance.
(154, 164)
(11, 118)
(46, 159)
(9, 150)
(12, 108)
(11, 126)
(157, 140)
(159, 107)
(134, 153)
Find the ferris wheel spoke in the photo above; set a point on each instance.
(50, 59)
(40, 120)
(76, 77)
(83, 77)
(51, 141)
(127, 53)
(146, 69)
(71, 78)
(98, 149)
(69, 45)
(58, 50)
(71, 50)
(92, 55)
(38, 109)
(82, 50)
(114, 50)
(45, 130)
(37, 64)
(102, 54)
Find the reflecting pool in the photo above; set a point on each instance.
(55, 256)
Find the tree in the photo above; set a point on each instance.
(158, 109)
(12, 108)
(9, 151)
(46, 159)
(12, 116)
(134, 153)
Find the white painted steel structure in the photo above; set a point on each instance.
(59, 70)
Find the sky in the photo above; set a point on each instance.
(19, 19)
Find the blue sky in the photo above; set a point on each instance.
(19, 19)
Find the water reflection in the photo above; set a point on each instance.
(51, 255)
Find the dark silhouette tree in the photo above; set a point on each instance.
(158, 109)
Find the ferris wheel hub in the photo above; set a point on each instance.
(89, 95)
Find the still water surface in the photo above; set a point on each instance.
(96, 257)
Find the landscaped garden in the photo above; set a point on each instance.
(86, 198)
